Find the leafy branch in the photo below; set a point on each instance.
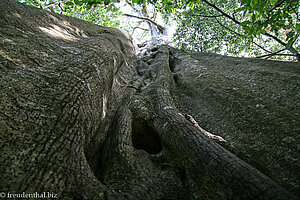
(288, 46)
(240, 35)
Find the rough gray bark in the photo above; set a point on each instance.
(83, 118)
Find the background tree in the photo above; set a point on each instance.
(103, 13)
(264, 27)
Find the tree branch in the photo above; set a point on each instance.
(222, 12)
(208, 16)
(59, 5)
(262, 47)
(154, 14)
(50, 4)
(291, 49)
(144, 29)
(240, 35)
(271, 54)
(137, 27)
(160, 28)
(284, 54)
(276, 6)
(227, 28)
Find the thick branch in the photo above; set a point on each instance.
(160, 28)
(291, 49)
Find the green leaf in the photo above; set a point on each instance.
(69, 3)
(249, 42)
(109, 7)
(290, 35)
(247, 30)
(289, 44)
(298, 27)
(263, 31)
(240, 9)
(88, 7)
(173, 10)
(253, 18)
(78, 2)
(244, 23)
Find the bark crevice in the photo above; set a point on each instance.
(144, 137)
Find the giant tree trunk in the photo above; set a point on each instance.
(83, 118)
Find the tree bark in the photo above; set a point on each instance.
(83, 118)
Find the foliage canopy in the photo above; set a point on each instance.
(102, 13)
(256, 27)
(260, 28)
